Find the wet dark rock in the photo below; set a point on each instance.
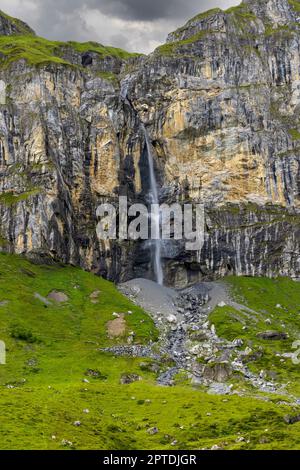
(127, 379)
(291, 419)
(152, 431)
(87, 59)
(96, 374)
(273, 335)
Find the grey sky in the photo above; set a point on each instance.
(135, 25)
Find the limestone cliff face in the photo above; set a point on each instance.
(221, 103)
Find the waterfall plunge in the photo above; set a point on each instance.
(155, 218)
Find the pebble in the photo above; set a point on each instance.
(65, 442)
(152, 431)
(171, 319)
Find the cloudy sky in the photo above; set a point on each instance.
(135, 25)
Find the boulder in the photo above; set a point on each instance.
(127, 379)
(217, 372)
(273, 335)
(171, 319)
(58, 297)
(289, 419)
(152, 431)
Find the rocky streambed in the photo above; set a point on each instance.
(189, 339)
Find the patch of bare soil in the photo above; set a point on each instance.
(117, 327)
(94, 297)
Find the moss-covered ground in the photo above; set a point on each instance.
(46, 387)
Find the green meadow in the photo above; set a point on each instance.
(57, 375)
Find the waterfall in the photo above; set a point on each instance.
(155, 218)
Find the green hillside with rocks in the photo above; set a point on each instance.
(60, 390)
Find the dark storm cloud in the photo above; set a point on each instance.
(149, 10)
(138, 25)
(143, 10)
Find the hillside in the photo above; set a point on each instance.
(55, 371)
(208, 360)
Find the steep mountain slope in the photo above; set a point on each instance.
(220, 101)
(12, 26)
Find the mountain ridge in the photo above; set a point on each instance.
(10, 26)
(283, 11)
(267, 13)
(221, 108)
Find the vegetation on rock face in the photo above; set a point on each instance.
(56, 374)
(198, 18)
(205, 15)
(103, 51)
(9, 199)
(295, 134)
(241, 11)
(20, 27)
(173, 48)
(36, 50)
(22, 43)
(240, 15)
(30, 48)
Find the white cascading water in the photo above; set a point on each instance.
(155, 219)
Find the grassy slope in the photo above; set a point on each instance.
(62, 342)
(37, 50)
(263, 296)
